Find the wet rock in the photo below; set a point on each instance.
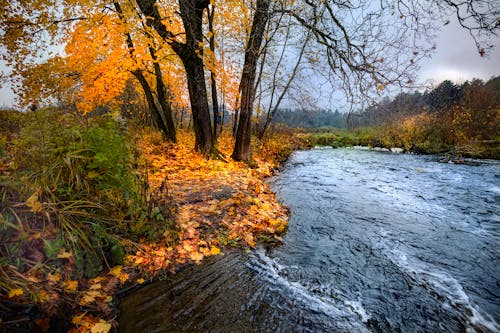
(397, 150)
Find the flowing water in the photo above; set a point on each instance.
(376, 243)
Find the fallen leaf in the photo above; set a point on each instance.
(53, 278)
(116, 270)
(214, 250)
(123, 277)
(78, 319)
(196, 257)
(33, 203)
(15, 292)
(64, 255)
(43, 297)
(89, 297)
(70, 285)
(249, 240)
(101, 327)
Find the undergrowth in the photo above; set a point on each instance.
(72, 204)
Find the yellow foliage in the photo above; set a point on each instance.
(89, 297)
(101, 327)
(77, 320)
(53, 278)
(15, 292)
(118, 273)
(64, 255)
(232, 205)
(33, 203)
(70, 285)
(214, 250)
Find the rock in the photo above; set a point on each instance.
(361, 147)
(397, 150)
(380, 149)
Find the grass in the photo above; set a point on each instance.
(425, 140)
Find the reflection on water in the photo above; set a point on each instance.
(376, 243)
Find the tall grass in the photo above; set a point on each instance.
(74, 181)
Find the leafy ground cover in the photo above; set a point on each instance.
(90, 207)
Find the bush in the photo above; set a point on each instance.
(78, 176)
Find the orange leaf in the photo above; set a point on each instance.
(70, 285)
(249, 239)
(78, 319)
(196, 257)
(214, 250)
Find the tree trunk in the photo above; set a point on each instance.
(191, 55)
(162, 115)
(153, 108)
(213, 82)
(242, 151)
(235, 121)
(199, 105)
(163, 99)
(223, 114)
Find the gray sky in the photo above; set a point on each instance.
(456, 59)
(6, 94)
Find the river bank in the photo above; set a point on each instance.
(377, 242)
(66, 253)
(415, 141)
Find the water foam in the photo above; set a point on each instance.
(357, 307)
(270, 269)
(446, 286)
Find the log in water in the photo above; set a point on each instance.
(377, 242)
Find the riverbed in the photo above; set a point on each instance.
(377, 242)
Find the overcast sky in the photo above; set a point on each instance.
(456, 59)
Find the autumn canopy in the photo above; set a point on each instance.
(206, 60)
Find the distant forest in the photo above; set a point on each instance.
(460, 118)
(474, 103)
(475, 100)
(310, 119)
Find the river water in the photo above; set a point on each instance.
(377, 242)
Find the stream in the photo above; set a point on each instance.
(377, 242)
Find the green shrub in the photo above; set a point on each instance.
(78, 174)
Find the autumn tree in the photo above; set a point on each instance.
(247, 85)
(191, 54)
(362, 47)
(160, 108)
(100, 56)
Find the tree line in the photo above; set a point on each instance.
(449, 115)
(479, 100)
